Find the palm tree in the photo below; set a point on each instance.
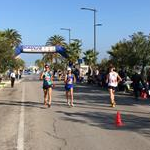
(54, 41)
(104, 64)
(12, 36)
(17, 64)
(90, 57)
(48, 58)
(39, 63)
(74, 51)
(8, 40)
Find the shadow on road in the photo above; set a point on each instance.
(94, 95)
(25, 104)
(107, 121)
(100, 113)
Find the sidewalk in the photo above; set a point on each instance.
(4, 83)
(7, 82)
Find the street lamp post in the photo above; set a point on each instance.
(69, 30)
(95, 25)
(94, 10)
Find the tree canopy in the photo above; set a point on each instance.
(9, 39)
(131, 53)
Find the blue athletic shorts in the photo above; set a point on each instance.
(68, 87)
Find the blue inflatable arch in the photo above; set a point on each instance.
(40, 49)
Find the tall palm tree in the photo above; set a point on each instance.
(12, 36)
(74, 51)
(54, 41)
(90, 57)
(19, 64)
(48, 58)
(9, 39)
(39, 63)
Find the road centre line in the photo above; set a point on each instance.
(20, 140)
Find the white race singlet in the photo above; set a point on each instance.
(112, 79)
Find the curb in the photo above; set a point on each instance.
(5, 83)
(2, 85)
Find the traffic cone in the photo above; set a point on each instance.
(118, 119)
(143, 94)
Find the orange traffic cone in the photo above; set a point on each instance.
(118, 119)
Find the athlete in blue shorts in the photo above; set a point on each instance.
(69, 80)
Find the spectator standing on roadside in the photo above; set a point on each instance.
(12, 78)
(123, 74)
(148, 78)
(138, 84)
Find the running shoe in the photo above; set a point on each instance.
(72, 105)
(45, 103)
(49, 105)
(68, 103)
(113, 104)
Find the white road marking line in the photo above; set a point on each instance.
(20, 141)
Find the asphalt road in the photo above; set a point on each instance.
(26, 124)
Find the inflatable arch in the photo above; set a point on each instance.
(40, 49)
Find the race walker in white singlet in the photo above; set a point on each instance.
(112, 79)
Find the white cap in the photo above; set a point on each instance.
(68, 69)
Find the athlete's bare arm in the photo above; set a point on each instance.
(52, 79)
(65, 79)
(41, 76)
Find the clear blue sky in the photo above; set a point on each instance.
(36, 20)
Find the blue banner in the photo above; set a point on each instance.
(40, 49)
